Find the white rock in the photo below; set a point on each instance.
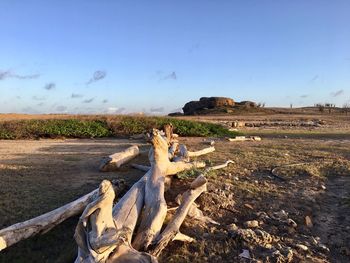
(302, 247)
(251, 224)
(245, 254)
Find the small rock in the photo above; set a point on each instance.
(251, 224)
(323, 187)
(256, 182)
(302, 247)
(292, 223)
(236, 178)
(249, 206)
(308, 221)
(323, 247)
(232, 227)
(281, 214)
(245, 254)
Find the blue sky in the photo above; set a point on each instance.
(97, 56)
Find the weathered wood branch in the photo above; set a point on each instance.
(172, 229)
(47, 221)
(116, 160)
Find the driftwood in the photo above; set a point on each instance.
(244, 138)
(130, 231)
(116, 160)
(45, 222)
(172, 229)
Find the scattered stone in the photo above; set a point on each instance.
(308, 221)
(323, 247)
(245, 254)
(285, 254)
(292, 223)
(323, 187)
(249, 206)
(283, 215)
(302, 247)
(251, 224)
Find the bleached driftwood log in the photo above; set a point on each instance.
(116, 160)
(96, 233)
(45, 222)
(244, 138)
(105, 234)
(173, 228)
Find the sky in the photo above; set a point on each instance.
(99, 56)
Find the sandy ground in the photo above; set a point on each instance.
(38, 176)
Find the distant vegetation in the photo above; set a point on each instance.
(97, 127)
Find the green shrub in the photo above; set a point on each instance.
(105, 127)
(134, 125)
(71, 128)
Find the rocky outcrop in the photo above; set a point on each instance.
(207, 103)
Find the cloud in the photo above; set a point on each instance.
(304, 96)
(5, 74)
(98, 75)
(104, 101)
(38, 98)
(172, 76)
(50, 86)
(40, 104)
(88, 100)
(29, 110)
(76, 96)
(33, 76)
(194, 47)
(314, 78)
(160, 109)
(18, 97)
(9, 74)
(337, 93)
(115, 110)
(61, 108)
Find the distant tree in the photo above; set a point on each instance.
(291, 105)
(346, 108)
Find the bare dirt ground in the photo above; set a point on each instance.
(38, 176)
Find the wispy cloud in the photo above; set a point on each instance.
(29, 110)
(194, 47)
(304, 96)
(61, 108)
(76, 96)
(337, 93)
(88, 100)
(38, 98)
(104, 101)
(314, 78)
(155, 110)
(172, 76)
(5, 74)
(115, 110)
(98, 75)
(50, 86)
(40, 104)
